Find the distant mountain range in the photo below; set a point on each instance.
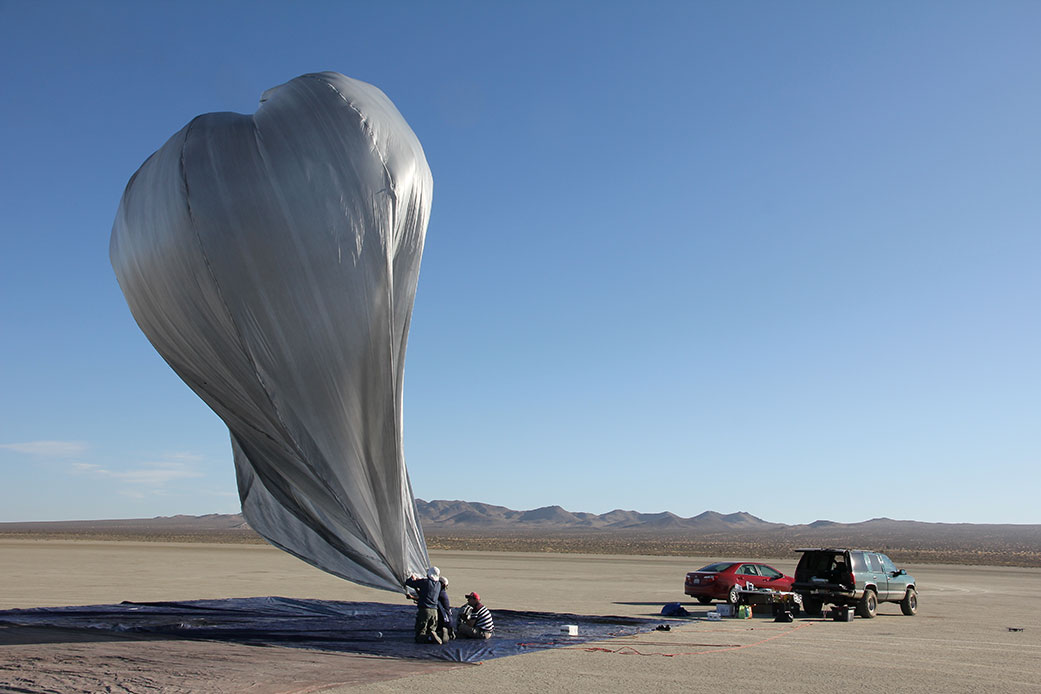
(478, 516)
(474, 525)
(468, 525)
(470, 516)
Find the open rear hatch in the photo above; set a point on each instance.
(824, 569)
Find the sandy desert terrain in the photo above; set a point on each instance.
(959, 642)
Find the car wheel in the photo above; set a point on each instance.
(868, 604)
(734, 597)
(909, 605)
(704, 599)
(813, 608)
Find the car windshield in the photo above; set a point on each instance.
(718, 566)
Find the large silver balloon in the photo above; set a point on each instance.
(272, 261)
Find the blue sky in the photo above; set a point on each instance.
(760, 256)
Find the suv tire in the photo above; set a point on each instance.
(868, 604)
(909, 605)
(813, 608)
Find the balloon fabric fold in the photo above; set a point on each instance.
(272, 260)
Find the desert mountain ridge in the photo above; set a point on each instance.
(469, 515)
(466, 525)
(465, 514)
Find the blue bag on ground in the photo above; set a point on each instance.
(674, 609)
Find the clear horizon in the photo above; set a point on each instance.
(681, 256)
(525, 510)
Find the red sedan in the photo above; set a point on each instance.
(722, 580)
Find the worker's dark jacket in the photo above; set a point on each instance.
(444, 609)
(429, 590)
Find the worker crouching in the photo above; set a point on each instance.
(475, 620)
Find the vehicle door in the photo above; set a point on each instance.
(898, 579)
(876, 574)
(748, 575)
(860, 567)
(771, 578)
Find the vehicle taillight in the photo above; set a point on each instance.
(852, 579)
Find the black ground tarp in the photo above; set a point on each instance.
(352, 627)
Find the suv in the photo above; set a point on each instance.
(853, 578)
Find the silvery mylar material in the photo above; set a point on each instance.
(272, 261)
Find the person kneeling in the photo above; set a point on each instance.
(475, 620)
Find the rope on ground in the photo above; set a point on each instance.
(716, 648)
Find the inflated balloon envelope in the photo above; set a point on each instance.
(272, 261)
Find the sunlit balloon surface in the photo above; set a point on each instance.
(272, 260)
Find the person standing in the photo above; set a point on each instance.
(475, 620)
(428, 591)
(444, 613)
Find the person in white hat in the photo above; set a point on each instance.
(428, 591)
(445, 628)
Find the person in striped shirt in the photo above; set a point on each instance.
(475, 620)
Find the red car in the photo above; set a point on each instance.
(722, 580)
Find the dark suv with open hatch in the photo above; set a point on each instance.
(853, 578)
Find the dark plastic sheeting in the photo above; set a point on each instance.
(352, 627)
